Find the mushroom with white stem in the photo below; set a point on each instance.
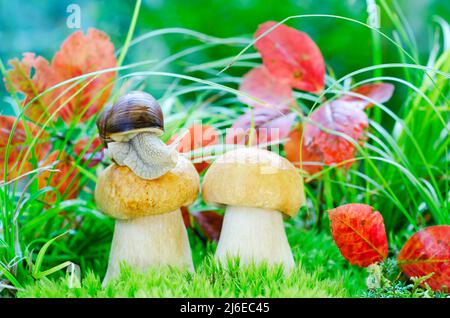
(149, 230)
(258, 187)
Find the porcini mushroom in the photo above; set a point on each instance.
(258, 188)
(130, 130)
(144, 188)
(149, 230)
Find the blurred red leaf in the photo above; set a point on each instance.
(270, 126)
(66, 180)
(79, 54)
(337, 116)
(428, 251)
(19, 146)
(197, 137)
(344, 115)
(292, 55)
(82, 54)
(359, 233)
(310, 159)
(210, 223)
(94, 153)
(379, 92)
(186, 216)
(260, 84)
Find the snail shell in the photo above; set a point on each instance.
(133, 113)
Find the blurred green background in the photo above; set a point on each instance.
(40, 27)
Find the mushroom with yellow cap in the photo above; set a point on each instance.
(144, 188)
(149, 230)
(258, 187)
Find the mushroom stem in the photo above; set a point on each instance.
(150, 241)
(254, 235)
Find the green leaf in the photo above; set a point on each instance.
(40, 258)
(10, 277)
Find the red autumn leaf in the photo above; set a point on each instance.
(210, 223)
(270, 126)
(19, 145)
(292, 55)
(426, 252)
(65, 180)
(82, 54)
(308, 159)
(359, 233)
(379, 92)
(260, 84)
(338, 116)
(79, 54)
(186, 216)
(44, 77)
(197, 137)
(93, 154)
(344, 115)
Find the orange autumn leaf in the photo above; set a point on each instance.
(428, 252)
(308, 159)
(32, 86)
(359, 233)
(79, 54)
(291, 55)
(65, 180)
(197, 137)
(82, 54)
(19, 146)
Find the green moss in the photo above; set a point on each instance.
(210, 280)
(323, 273)
(402, 289)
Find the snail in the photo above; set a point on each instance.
(130, 130)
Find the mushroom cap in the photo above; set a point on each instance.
(133, 113)
(121, 194)
(256, 178)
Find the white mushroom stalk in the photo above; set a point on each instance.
(145, 154)
(156, 241)
(254, 236)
